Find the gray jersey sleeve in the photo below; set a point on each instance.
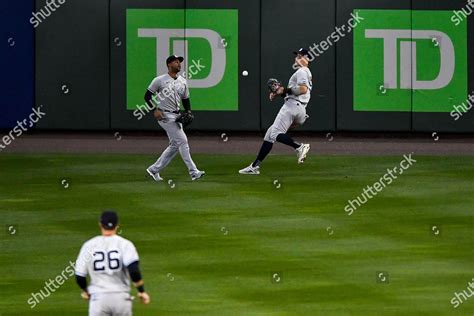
(130, 254)
(85, 256)
(186, 92)
(182, 88)
(303, 78)
(155, 85)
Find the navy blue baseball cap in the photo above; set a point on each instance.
(173, 58)
(302, 51)
(109, 220)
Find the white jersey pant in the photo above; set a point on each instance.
(292, 112)
(110, 304)
(178, 143)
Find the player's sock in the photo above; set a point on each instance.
(264, 151)
(287, 140)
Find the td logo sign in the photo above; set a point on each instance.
(409, 61)
(208, 39)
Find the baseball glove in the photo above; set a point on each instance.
(273, 85)
(185, 118)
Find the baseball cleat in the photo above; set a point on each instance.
(302, 151)
(197, 175)
(155, 176)
(250, 170)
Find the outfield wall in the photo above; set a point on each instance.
(94, 59)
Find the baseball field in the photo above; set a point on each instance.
(276, 244)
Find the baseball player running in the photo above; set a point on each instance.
(110, 261)
(292, 113)
(171, 90)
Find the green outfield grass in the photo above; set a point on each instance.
(211, 247)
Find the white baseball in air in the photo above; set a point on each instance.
(245, 73)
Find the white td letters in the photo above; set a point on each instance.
(408, 62)
(180, 47)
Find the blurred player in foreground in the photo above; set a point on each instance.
(110, 261)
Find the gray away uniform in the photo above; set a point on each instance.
(170, 93)
(294, 109)
(105, 260)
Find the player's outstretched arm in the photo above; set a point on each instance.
(301, 89)
(82, 282)
(135, 275)
(297, 90)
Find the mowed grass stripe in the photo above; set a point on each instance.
(211, 247)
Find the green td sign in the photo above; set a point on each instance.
(208, 39)
(409, 61)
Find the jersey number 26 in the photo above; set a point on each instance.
(112, 260)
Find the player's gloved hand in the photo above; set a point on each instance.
(275, 87)
(280, 91)
(144, 297)
(158, 115)
(85, 295)
(185, 118)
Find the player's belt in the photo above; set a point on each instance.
(168, 111)
(296, 101)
